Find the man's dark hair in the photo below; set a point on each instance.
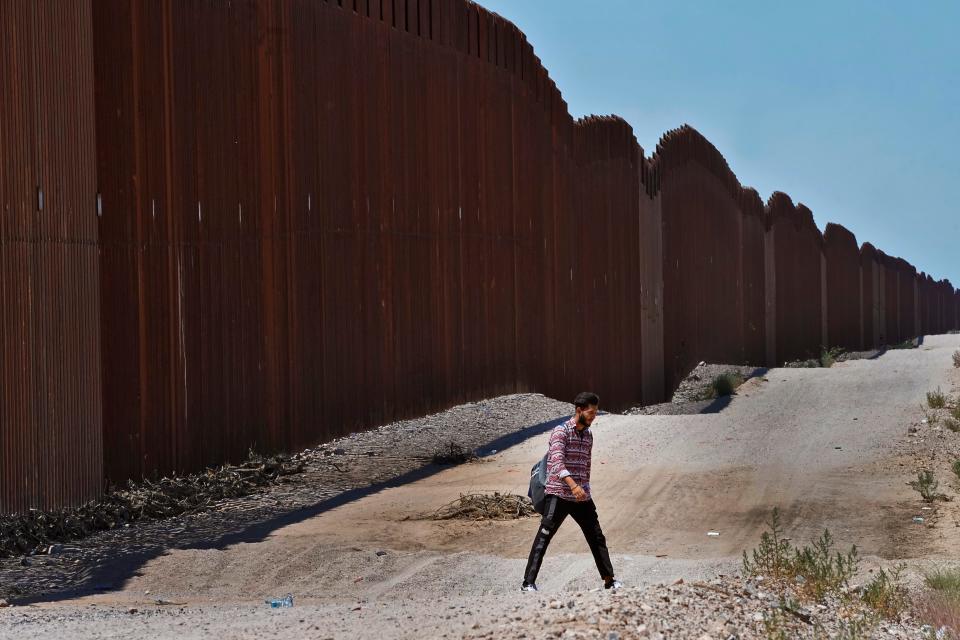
(586, 399)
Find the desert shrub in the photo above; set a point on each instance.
(936, 399)
(828, 357)
(952, 424)
(926, 484)
(956, 358)
(821, 570)
(725, 384)
(956, 468)
(884, 594)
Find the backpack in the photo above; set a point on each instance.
(538, 484)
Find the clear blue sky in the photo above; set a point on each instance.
(852, 108)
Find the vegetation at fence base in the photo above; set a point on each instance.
(956, 468)
(955, 411)
(725, 384)
(910, 343)
(826, 359)
(926, 484)
(936, 399)
(956, 358)
(453, 453)
(35, 530)
(829, 357)
(486, 506)
(817, 570)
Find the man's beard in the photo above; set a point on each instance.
(582, 420)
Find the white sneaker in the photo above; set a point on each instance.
(613, 584)
(528, 587)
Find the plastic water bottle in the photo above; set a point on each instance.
(280, 603)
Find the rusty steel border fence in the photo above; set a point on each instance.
(50, 374)
(266, 223)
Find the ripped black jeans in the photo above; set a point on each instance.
(555, 511)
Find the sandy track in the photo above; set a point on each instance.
(820, 444)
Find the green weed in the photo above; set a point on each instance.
(822, 570)
(725, 384)
(828, 357)
(926, 484)
(884, 594)
(936, 399)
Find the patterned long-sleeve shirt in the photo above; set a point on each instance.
(569, 455)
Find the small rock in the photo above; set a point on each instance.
(381, 553)
(3, 603)
(132, 610)
(339, 452)
(758, 617)
(613, 635)
(556, 604)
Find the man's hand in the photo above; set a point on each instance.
(579, 493)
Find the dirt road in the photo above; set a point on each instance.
(826, 446)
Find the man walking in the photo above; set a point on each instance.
(568, 492)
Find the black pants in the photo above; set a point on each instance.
(584, 514)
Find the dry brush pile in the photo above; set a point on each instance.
(486, 506)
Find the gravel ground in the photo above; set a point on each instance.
(724, 607)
